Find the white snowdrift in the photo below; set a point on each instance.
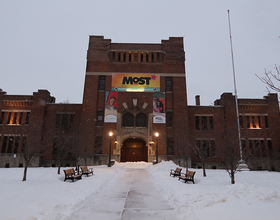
(46, 196)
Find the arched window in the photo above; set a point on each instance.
(141, 120)
(128, 120)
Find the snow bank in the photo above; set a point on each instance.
(213, 197)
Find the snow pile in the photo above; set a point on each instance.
(213, 197)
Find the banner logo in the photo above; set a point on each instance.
(135, 82)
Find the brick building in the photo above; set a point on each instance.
(135, 91)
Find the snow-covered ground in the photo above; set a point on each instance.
(46, 196)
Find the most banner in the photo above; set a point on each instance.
(129, 82)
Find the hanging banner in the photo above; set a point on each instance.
(111, 105)
(131, 82)
(159, 107)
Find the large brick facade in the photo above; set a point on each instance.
(79, 133)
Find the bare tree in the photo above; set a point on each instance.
(62, 146)
(230, 154)
(271, 79)
(32, 145)
(200, 150)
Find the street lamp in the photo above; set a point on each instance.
(110, 134)
(157, 134)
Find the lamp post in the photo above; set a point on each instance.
(110, 134)
(157, 134)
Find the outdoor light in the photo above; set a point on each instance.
(110, 134)
(157, 134)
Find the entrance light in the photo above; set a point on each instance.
(157, 134)
(110, 134)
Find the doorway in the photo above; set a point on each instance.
(133, 150)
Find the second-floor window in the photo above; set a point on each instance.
(204, 123)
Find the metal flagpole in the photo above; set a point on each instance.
(242, 164)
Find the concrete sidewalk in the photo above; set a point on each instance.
(133, 196)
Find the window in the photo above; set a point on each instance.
(128, 120)
(211, 124)
(119, 56)
(253, 121)
(153, 57)
(124, 57)
(204, 122)
(2, 116)
(241, 121)
(207, 122)
(10, 144)
(168, 84)
(135, 56)
(16, 145)
(197, 123)
(251, 147)
(57, 120)
(266, 121)
(72, 119)
(100, 115)
(170, 146)
(4, 143)
(259, 121)
(20, 117)
(23, 143)
(9, 118)
(27, 118)
(64, 120)
(263, 151)
(213, 148)
(98, 145)
(15, 118)
(257, 148)
(270, 150)
(206, 147)
(141, 120)
(169, 119)
(248, 121)
(102, 80)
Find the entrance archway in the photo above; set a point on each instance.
(134, 149)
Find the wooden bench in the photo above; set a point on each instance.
(71, 175)
(188, 176)
(86, 170)
(176, 172)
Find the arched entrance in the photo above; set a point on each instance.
(134, 149)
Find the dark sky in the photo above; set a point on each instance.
(43, 44)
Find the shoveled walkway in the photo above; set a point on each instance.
(133, 196)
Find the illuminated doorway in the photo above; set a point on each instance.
(133, 150)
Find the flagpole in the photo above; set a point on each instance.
(242, 164)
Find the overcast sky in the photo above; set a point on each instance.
(43, 44)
